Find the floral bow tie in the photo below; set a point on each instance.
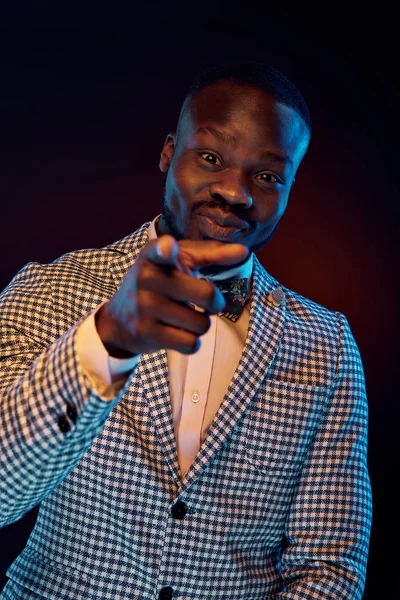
(236, 293)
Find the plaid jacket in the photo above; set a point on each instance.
(277, 504)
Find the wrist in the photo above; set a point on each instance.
(105, 331)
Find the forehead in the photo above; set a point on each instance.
(248, 113)
(223, 98)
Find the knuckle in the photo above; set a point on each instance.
(145, 303)
(189, 344)
(193, 345)
(148, 271)
(203, 324)
(144, 275)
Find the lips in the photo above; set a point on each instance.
(211, 229)
(224, 220)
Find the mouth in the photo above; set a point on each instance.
(217, 225)
(224, 220)
(211, 229)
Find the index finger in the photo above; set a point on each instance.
(196, 254)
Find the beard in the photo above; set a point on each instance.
(169, 220)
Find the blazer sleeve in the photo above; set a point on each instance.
(49, 413)
(328, 529)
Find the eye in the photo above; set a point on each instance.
(210, 158)
(269, 178)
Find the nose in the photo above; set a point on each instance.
(232, 187)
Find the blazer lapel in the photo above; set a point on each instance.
(152, 371)
(126, 252)
(266, 325)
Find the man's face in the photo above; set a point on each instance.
(230, 166)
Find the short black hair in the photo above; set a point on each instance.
(255, 74)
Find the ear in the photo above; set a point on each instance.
(167, 152)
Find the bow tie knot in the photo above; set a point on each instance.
(236, 293)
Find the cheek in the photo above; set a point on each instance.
(271, 208)
(173, 191)
(180, 194)
(185, 188)
(281, 206)
(186, 179)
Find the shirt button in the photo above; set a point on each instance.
(195, 398)
(63, 424)
(165, 593)
(179, 510)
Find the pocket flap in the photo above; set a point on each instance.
(47, 578)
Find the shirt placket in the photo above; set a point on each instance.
(195, 396)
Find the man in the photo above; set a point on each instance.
(182, 445)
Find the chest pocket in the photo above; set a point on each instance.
(281, 424)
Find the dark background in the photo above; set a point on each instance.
(88, 94)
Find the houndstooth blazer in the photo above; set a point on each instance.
(277, 504)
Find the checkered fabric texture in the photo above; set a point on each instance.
(278, 498)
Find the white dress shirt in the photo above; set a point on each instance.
(198, 382)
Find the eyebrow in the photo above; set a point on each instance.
(230, 140)
(225, 138)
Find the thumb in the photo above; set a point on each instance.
(162, 251)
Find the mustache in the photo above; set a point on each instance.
(228, 209)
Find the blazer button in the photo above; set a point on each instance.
(63, 424)
(165, 593)
(179, 510)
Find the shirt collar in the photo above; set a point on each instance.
(240, 271)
